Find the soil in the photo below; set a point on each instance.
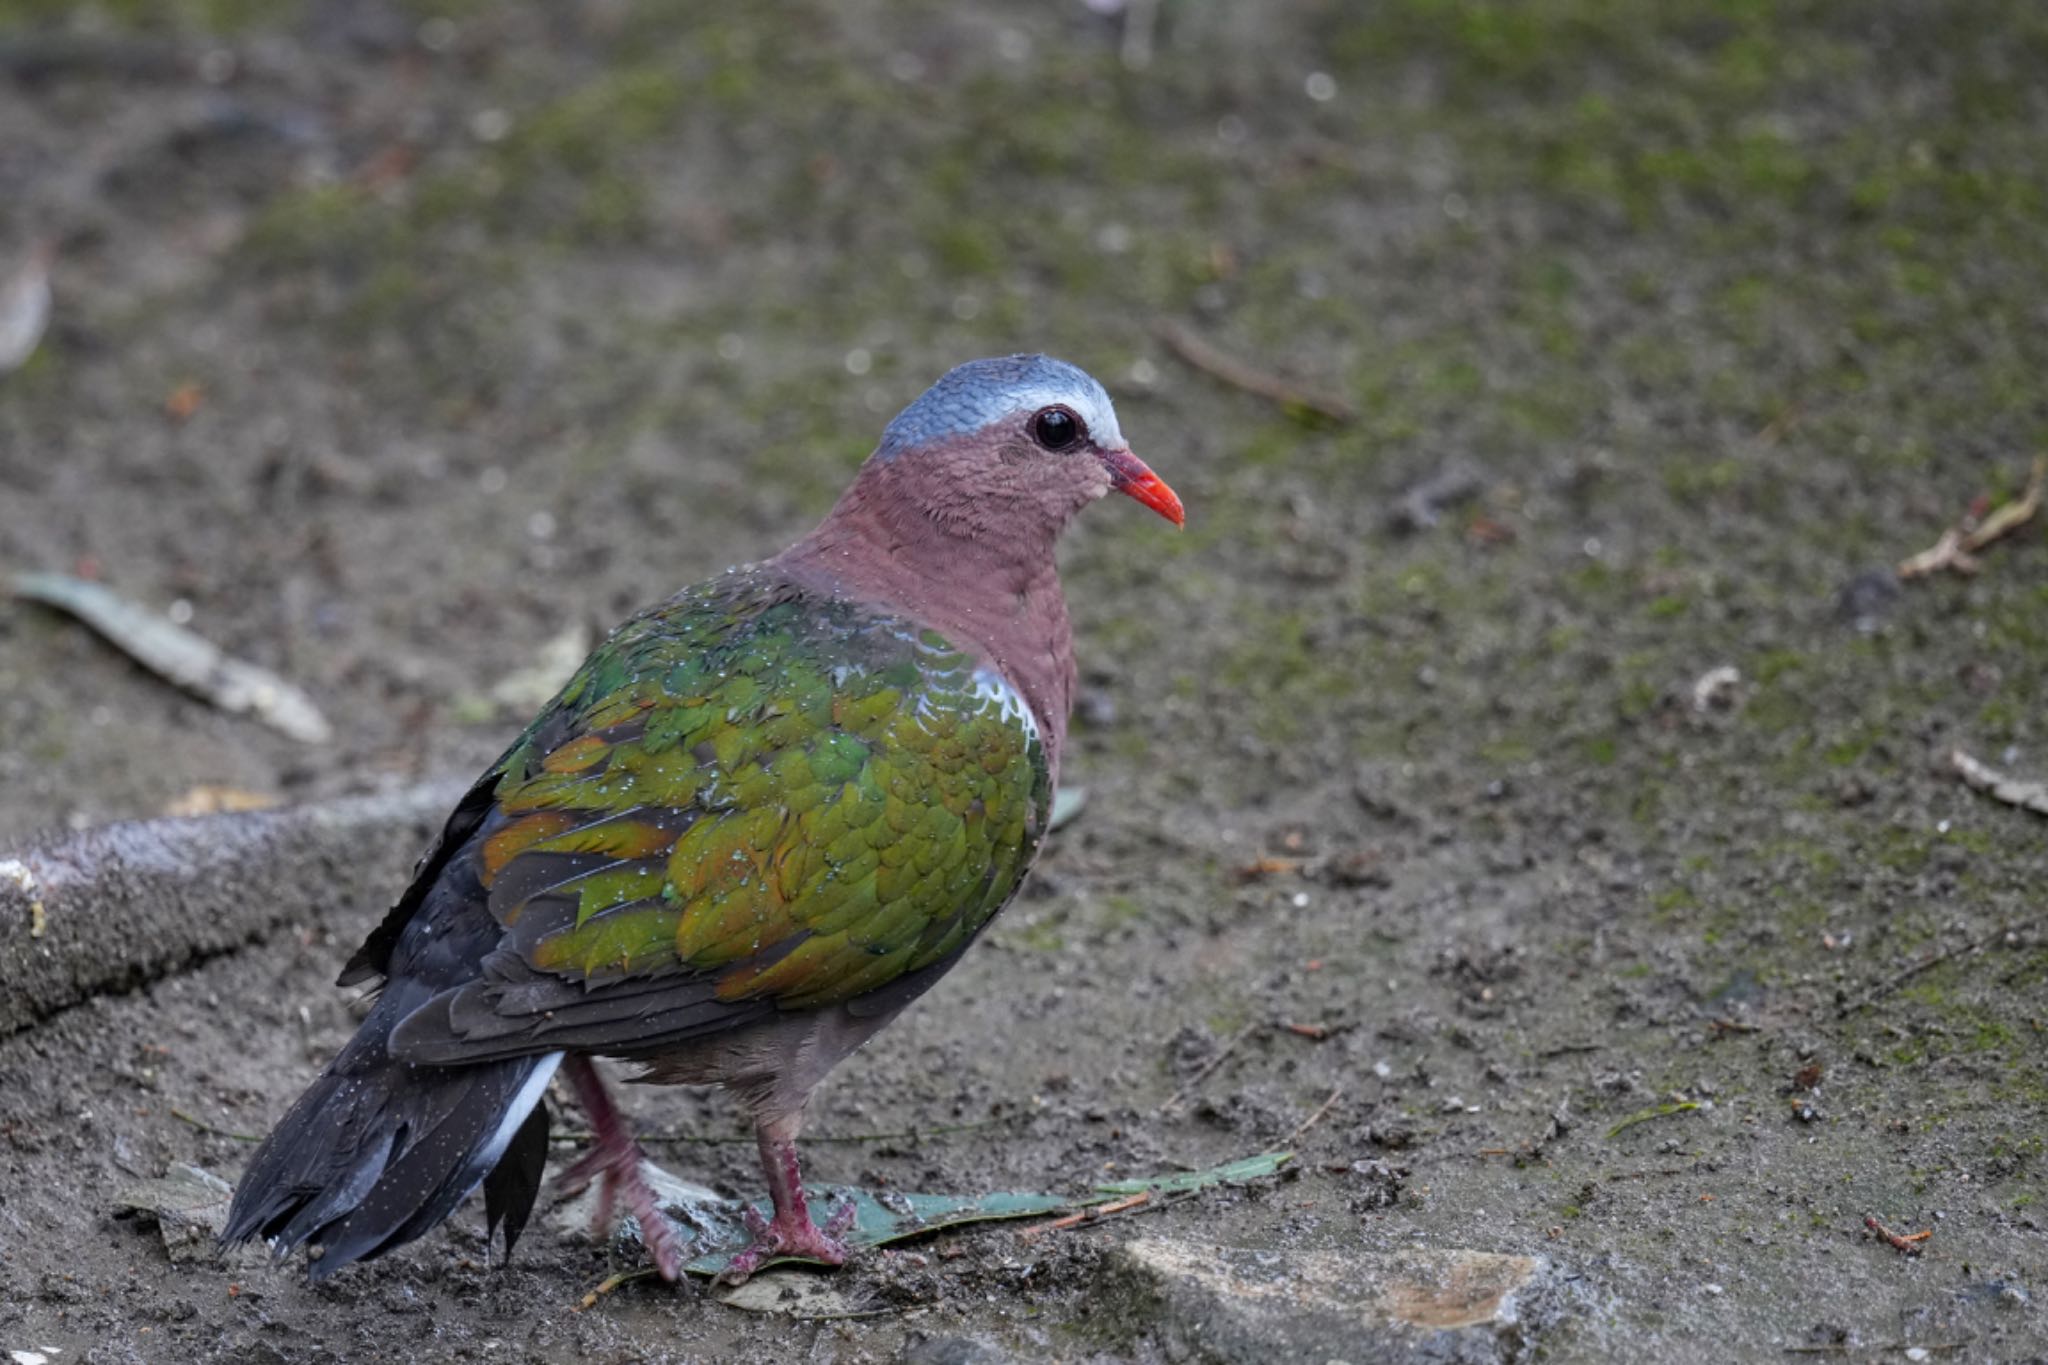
(395, 340)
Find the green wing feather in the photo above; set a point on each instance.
(760, 797)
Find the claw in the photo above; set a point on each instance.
(791, 1232)
(614, 1160)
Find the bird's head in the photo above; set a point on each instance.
(1020, 439)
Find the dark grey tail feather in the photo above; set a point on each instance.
(514, 1183)
(377, 1151)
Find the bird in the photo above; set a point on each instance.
(762, 818)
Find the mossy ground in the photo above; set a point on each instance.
(506, 317)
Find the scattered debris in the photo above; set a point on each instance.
(179, 655)
(1655, 1111)
(1313, 1119)
(1423, 505)
(211, 800)
(1182, 1095)
(1380, 1184)
(183, 402)
(1717, 689)
(25, 306)
(1483, 530)
(17, 871)
(1260, 868)
(1909, 1244)
(1788, 417)
(1898, 979)
(1959, 544)
(1199, 354)
(1982, 777)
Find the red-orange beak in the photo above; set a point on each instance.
(1130, 476)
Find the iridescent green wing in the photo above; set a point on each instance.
(747, 800)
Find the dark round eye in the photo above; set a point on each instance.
(1056, 428)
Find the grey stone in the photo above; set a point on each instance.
(190, 1206)
(1196, 1302)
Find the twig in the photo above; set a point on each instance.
(1086, 1216)
(203, 1126)
(1980, 776)
(2009, 518)
(1181, 1095)
(1199, 354)
(1720, 1024)
(1959, 544)
(1263, 867)
(1788, 417)
(1422, 505)
(1898, 979)
(1907, 1244)
(1945, 553)
(178, 655)
(611, 1283)
(1313, 1119)
(1657, 1111)
(1313, 1032)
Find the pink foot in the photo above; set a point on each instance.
(791, 1232)
(789, 1237)
(615, 1160)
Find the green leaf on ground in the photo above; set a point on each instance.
(889, 1216)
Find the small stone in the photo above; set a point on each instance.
(1866, 600)
(190, 1206)
(1379, 1185)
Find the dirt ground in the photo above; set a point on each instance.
(394, 340)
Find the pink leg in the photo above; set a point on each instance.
(615, 1157)
(792, 1233)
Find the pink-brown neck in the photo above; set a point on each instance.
(970, 555)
